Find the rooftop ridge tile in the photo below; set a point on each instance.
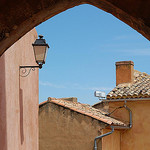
(140, 87)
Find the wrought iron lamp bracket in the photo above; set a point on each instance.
(24, 71)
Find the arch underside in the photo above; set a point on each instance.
(18, 17)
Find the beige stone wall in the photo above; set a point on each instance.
(63, 129)
(19, 97)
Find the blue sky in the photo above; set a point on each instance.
(85, 42)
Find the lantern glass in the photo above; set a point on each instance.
(40, 50)
(40, 54)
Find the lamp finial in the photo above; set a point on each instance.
(40, 36)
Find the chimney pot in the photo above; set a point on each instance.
(124, 72)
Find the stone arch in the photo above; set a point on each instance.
(19, 17)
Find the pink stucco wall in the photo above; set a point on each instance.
(19, 97)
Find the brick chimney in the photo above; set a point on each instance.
(124, 72)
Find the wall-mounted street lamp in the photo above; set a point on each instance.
(40, 48)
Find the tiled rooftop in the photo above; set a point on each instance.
(86, 110)
(140, 88)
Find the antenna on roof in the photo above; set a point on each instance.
(101, 95)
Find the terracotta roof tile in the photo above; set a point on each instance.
(87, 110)
(42, 103)
(140, 88)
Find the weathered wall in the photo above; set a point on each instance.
(63, 129)
(19, 97)
(112, 141)
(138, 136)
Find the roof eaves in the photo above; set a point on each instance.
(84, 113)
(42, 103)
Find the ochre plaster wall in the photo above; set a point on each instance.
(138, 137)
(19, 97)
(63, 129)
(112, 141)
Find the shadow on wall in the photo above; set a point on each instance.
(21, 113)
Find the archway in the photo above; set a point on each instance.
(19, 17)
(85, 44)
